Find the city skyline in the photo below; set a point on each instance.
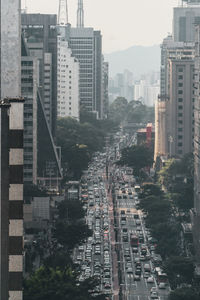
(131, 31)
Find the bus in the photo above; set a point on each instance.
(134, 241)
(162, 277)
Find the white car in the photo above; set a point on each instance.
(162, 285)
(150, 280)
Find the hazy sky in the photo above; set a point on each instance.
(124, 23)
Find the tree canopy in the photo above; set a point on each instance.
(133, 111)
(56, 284)
(136, 157)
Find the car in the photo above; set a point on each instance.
(150, 279)
(142, 257)
(138, 272)
(154, 295)
(162, 285)
(136, 278)
(135, 250)
(146, 274)
(129, 271)
(154, 289)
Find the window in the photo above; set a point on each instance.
(180, 77)
(180, 107)
(180, 69)
(180, 84)
(180, 137)
(180, 92)
(180, 99)
(180, 129)
(180, 114)
(180, 144)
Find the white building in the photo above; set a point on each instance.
(68, 81)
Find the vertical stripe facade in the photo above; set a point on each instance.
(4, 196)
(16, 155)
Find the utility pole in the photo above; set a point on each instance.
(80, 14)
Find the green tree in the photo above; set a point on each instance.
(71, 210)
(183, 267)
(185, 293)
(71, 234)
(136, 157)
(56, 284)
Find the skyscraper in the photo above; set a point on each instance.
(67, 70)
(11, 162)
(176, 91)
(40, 35)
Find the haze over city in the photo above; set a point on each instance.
(123, 23)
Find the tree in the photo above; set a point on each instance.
(71, 210)
(78, 142)
(182, 267)
(185, 293)
(71, 234)
(151, 189)
(136, 157)
(56, 284)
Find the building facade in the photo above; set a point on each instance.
(11, 176)
(40, 35)
(68, 81)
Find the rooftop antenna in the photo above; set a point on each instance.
(63, 13)
(80, 14)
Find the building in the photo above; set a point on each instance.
(146, 136)
(175, 105)
(29, 85)
(11, 125)
(180, 104)
(196, 214)
(40, 35)
(185, 16)
(68, 100)
(105, 77)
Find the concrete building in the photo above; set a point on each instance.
(11, 127)
(68, 81)
(196, 214)
(185, 17)
(105, 77)
(180, 104)
(29, 83)
(40, 34)
(87, 48)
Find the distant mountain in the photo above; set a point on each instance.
(137, 59)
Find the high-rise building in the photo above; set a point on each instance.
(105, 76)
(174, 128)
(185, 17)
(196, 214)
(86, 46)
(67, 70)
(180, 104)
(11, 162)
(29, 85)
(68, 81)
(40, 34)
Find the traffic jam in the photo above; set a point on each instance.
(141, 275)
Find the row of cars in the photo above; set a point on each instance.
(96, 252)
(140, 260)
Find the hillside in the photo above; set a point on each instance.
(137, 59)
